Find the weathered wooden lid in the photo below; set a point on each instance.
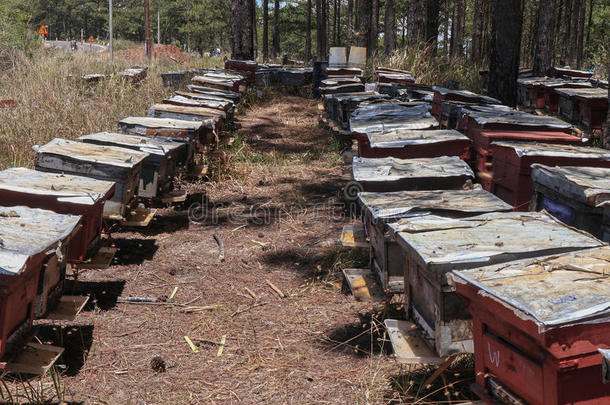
(110, 155)
(398, 138)
(589, 185)
(392, 169)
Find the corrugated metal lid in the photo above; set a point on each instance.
(406, 203)
(391, 169)
(467, 94)
(163, 123)
(86, 152)
(67, 188)
(447, 243)
(157, 146)
(515, 117)
(552, 291)
(399, 138)
(29, 231)
(584, 184)
(555, 150)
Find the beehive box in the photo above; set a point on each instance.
(540, 345)
(568, 104)
(220, 83)
(434, 246)
(523, 89)
(178, 112)
(32, 232)
(409, 144)
(64, 194)
(482, 141)
(567, 72)
(384, 116)
(160, 166)
(196, 134)
(392, 174)
(512, 163)
(187, 99)
(342, 89)
(381, 209)
(300, 76)
(575, 195)
(227, 95)
(593, 106)
(343, 71)
(441, 94)
(248, 67)
(226, 104)
(347, 104)
(401, 79)
(550, 87)
(108, 163)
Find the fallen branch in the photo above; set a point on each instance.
(241, 311)
(277, 290)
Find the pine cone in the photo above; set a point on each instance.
(158, 364)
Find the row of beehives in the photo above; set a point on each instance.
(573, 94)
(54, 216)
(526, 293)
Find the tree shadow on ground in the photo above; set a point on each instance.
(103, 294)
(134, 251)
(76, 341)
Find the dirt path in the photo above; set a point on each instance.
(277, 212)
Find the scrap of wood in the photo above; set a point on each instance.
(173, 294)
(191, 344)
(277, 290)
(223, 341)
(193, 309)
(249, 291)
(221, 248)
(440, 370)
(263, 244)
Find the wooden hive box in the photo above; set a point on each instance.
(108, 163)
(434, 246)
(32, 232)
(550, 87)
(575, 195)
(391, 174)
(64, 194)
(512, 163)
(247, 67)
(187, 99)
(441, 94)
(381, 209)
(219, 83)
(409, 144)
(178, 112)
(567, 72)
(593, 105)
(388, 115)
(160, 166)
(208, 91)
(195, 133)
(538, 325)
(568, 104)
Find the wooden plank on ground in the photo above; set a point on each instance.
(354, 236)
(68, 308)
(363, 285)
(140, 218)
(409, 345)
(102, 259)
(35, 359)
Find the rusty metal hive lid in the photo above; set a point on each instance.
(408, 203)
(67, 188)
(86, 152)
(584, 184)
(399, 138)
(392, 169)
(554, 150)
(552, 291)
(447, 243)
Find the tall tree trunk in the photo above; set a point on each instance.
(590, 21)
(417, 27)
(581, 33)
(560, 5)
(364, 29)
(389, 29)
(335, 24)
(404, 34)
(349, 25)
(505, 49)
(446, 28)
(254, 30)
(265, 30)
(307, 33)
(433, 9)
(241, 30)
(276, 29)
(477, 31)
(574, 32)
(565, 50)
(457, 35)
(322, 35)
(606, 134)
(374, 33)
(544, 41)
(338, 40)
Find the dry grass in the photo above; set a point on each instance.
(51, 104)
(430, 68)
